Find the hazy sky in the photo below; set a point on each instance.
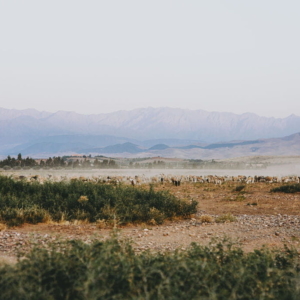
(107, 55)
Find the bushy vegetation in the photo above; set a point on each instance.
(206, 219)
(22, 202)
(111, 270)
(287, 188)
(226, 218)
(239, 188)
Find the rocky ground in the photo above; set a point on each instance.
(249, 230)
(262, 218)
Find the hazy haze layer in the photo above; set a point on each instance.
(102, 56)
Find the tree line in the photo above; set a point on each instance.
(18, 162)
(54, 162)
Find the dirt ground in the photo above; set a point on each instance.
(262, 218)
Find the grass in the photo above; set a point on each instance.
(238, 198)
(111, 270)
(239, 188)
(287, 188)
(206, 219)
(23, 202)
(226, 218)
(2, 226)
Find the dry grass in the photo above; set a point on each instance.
(101, 224)
(2, 227)
(144, 226)
(226, 218)
(152, 222)
(206, 219)
(217, 200)
(81, 222)
(83, 199)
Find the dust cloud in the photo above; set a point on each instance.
(273, 170)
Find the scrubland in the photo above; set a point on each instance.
(27, 202)
(84, 240)
(112, 270)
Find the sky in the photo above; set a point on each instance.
(99, 56)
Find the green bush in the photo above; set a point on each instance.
(111, 270)
(18, 216)
(22, 202)
(288, 188)
(239, 188)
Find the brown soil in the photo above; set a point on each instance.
(254, 199)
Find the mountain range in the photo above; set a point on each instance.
(286, 146)
(170, 131)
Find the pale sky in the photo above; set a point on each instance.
(105, 55)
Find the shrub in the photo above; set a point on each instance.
(239, 188)
(2, 226)
(155, 216)
(101, 224)
(289, 188)
(83, 199)
(19, 216)
(111, 270)
(239, 198)
(226, 218)
(32, 202)
(206, 219)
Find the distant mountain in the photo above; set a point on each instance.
(69, 144)
(51, 148)
(169, 142)
(73, 143)
(289, 145)
(230, 145)
(159, 147)
(145, 128)
(9, 114)
(119, 148)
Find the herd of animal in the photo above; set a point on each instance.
(162, 178)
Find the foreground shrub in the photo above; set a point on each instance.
(289, 188)
(111, 270)
(22, 202)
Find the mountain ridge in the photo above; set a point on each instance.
(289, 145)
(19, 127)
